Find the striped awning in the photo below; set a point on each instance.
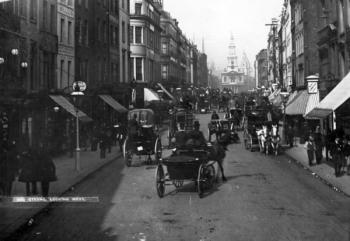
(298, 105)
(69, 107)
(314, 100)
(113, 103)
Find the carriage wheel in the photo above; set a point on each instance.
(178, 183)
(160, 182)
(206, 178)
(158, 150)
(127, 154)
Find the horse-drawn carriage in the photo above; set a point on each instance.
(203, 104)
(187, 163)
(142, 138)
(221, 129)
(253, 121)
(180, 118)
(236, 117)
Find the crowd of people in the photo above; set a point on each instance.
(336, 144)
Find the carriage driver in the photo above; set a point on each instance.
(215, 116)
(196, 137)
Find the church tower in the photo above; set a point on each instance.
(232, 57)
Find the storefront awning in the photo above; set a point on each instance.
(314, 100)
(333, 100)
(150, 95)
(298, 105)
(69, 107)
(166, 91)
(113, 103)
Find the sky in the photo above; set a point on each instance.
(215, 21)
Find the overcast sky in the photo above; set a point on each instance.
(216, 20)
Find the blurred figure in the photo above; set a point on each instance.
(28, 172)
(318, 145)
(310, 148)
(46, 170)
(9, 166)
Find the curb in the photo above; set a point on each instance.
(315, 175)
(22, 228)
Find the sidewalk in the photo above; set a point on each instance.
(14, 215)
(325, 171)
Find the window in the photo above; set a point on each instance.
(33, 9)
(123, 4)
(123, 31)
(70, 32)
(116, 40)
(164, 48)
(70, 2)
(132, 71)
(62, 30)
(69, 72)
(23, 8)
(53, 16)
(164, 72)
(131, 34)
(341, 16)
(104, 29)
(138, 35)
(138, 7)
(98, 30)
(86, 3)
(45, 14)
(61, 73)
(86, 32)
(139, 75)
(123, 66)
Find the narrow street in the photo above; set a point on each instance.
(265, 198)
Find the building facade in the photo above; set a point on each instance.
(145, 38)
(285, 48)
(304, 29)
(66, 44)
(124, 41)
(174, 53)
(261, 68)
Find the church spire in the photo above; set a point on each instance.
(232, 57)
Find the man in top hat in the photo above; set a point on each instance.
(196, 137)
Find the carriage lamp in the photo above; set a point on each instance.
(2, 60)
(14, 51)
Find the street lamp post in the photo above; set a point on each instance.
(78, 88)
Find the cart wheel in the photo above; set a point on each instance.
(206, 178)
(200, 181)
(158, 150)
(178, 183)
(160, 182)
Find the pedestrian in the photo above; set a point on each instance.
(109, 140)
(337, 152)
(103, 144)
(310, 148)
(318, 145)
(46, 170)
(346, 151)
(290, 136)
(28, 172)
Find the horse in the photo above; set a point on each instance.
(275, 139)
(217, 152)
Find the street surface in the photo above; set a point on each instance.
(265, 198)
